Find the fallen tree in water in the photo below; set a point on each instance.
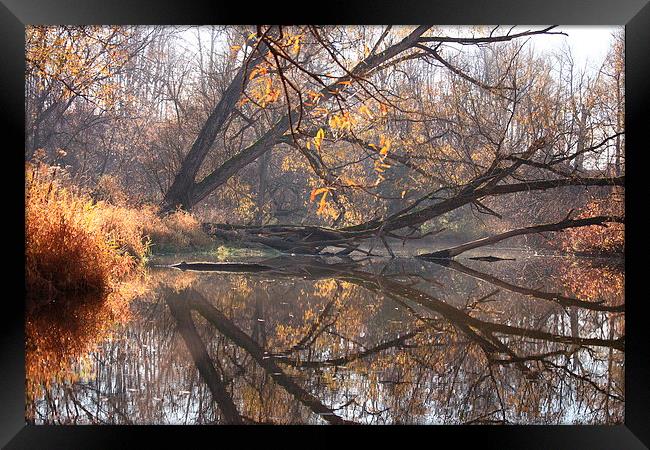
(306, 239)
(493, 154)
(558, 226)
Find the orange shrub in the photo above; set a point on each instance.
(71, 243)
(178, 231)
(597, 239)
(76, 244)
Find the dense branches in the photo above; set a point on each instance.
(349, 132)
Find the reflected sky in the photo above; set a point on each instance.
(538, 340)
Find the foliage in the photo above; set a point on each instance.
(77, 61)
(597, 239)
(77, 244)
(73, 244)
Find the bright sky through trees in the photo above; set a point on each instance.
(588, 44)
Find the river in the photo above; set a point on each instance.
(534, 340)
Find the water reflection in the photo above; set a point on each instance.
(536, 340)
(61, 336)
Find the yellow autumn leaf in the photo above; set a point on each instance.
(322, 204)
(363, 109)
(315, 193)
(318, 139)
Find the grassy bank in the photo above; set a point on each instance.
(75, 244)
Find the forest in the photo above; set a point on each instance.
(178, 178)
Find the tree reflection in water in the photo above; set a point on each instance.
(537, 340)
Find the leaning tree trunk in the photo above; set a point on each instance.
(181, 192)
(185, 192)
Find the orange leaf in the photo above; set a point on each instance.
(322, 203)
(315, 193)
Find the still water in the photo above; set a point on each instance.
(535, 340)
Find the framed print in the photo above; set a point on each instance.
(359, 226)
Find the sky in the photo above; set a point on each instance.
(588, 44)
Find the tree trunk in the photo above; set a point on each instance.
(262, 186)
(185, 193)
(180, 193)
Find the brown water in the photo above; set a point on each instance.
(535, 340)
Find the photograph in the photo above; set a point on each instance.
(325, 224)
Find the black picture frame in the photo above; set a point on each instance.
(634, 14)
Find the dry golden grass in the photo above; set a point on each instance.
(77, 244)
(73, 244)
(178, 231)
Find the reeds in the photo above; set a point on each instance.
(73, 244)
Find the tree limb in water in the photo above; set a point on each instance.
(314, 239)
(558, 226)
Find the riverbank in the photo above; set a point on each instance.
(75, 244)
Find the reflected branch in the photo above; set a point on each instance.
(196, 347)
(462, 320)
(231, 331)
(550, 296)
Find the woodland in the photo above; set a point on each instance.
(323, 225)
(312, 139)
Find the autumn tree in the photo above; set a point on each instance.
(346, 133)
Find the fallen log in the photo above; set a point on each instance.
(222, 267)
(491, 258)
(298, 239)
(558, 226)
